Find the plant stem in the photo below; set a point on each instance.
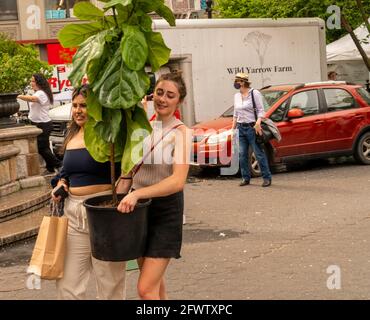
(115, 17)
(113, 175)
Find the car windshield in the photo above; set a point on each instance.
(269, 98)
(364, 94)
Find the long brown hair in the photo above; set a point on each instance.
(73, 127)
(43, 85)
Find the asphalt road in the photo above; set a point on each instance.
(305, 237)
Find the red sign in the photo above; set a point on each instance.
(59, 55)
(61, 69)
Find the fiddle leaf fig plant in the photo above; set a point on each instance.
(113, 51)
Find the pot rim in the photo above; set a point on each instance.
(9, 93)
(145, 203)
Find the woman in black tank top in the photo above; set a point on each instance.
(83, 177)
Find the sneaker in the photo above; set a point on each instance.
(244, 183)
(266, 182)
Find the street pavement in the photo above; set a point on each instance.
(305, 237)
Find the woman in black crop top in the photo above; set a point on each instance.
(83, 177)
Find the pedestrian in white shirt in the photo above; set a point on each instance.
(40, 102)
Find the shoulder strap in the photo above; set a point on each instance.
(138, 166)
(254, 105)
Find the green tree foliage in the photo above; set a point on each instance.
(17, 64)
(293, 9)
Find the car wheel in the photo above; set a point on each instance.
(254, 167)
(362, 151)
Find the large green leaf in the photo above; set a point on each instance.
(96, 146)
(72, 35)
(120, 87)
(137, 129)
(113, 3)
(134, 48)
(149, 5)
(87, 11)
(100, 149)
(146, 23)
(94, 108)
(166, 13)
(109, 127)
(91, 49)
(159, 53)
(123, 13)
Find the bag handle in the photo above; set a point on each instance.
(56, 208)
(254, 105)
(138, 166)
(141, 162)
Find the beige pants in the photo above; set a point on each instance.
(79, 263)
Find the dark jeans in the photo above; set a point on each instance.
(43, 145)
(247, 136)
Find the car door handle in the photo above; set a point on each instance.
(359, 116)
(318, 122)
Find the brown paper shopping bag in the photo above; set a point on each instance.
(47, 259)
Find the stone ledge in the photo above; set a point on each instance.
(21, 228)
(23, 202)
(8, 151)
(32, 182)
(24, 132)
(9, 188)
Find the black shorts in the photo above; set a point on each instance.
(165, 219)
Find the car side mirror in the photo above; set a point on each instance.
(295, 113)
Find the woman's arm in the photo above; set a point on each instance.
(260, 111)
(170, 185)
(28, 98)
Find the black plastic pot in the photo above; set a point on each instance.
(116, 236)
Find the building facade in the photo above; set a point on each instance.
(39, 21)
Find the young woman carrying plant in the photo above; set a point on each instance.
(163, 181)
(83, 177)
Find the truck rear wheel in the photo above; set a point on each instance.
(362, 151)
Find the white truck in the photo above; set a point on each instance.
(211, 51)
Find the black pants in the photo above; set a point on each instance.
(43, 145)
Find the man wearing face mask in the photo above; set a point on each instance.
(249, 124)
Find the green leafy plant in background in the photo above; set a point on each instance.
(113, 51)
(17, 64)
(294, 9)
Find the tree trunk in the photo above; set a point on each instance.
(349, 29)
(113, 175)
(365, 17)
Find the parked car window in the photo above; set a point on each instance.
(307, 101)
(271, 96)
(364, 94)
(338, 99)
(279, 113)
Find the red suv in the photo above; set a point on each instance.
(316, 120)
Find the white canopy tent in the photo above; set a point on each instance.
(344, 58)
